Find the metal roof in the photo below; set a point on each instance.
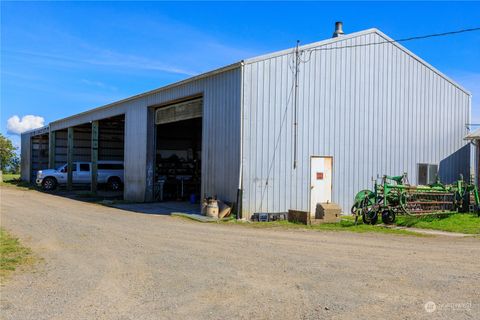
(354, 35)
(38, 131)
(266, 57)
(169, 86)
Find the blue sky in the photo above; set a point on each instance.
(61, 58)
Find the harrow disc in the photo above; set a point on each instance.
(421, 202)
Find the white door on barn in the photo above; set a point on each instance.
(320, 181)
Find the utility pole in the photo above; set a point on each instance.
(295, 107)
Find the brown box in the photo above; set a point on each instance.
(298, 216)
(327, 213)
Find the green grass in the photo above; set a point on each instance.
(10, 176)
(12, 254)
(343, 225)
(14, 180)
(462, 223)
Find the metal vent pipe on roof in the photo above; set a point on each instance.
(338, 29)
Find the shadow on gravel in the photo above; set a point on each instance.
(161, 208)
(113, 199)
(81, 193)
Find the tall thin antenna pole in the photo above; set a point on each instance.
(295, 106)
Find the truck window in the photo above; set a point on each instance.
(84, 167)
(64, 169)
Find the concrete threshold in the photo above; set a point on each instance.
(193, 216)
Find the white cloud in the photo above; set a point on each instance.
(15, 125)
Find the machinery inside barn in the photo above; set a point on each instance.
(178, 152)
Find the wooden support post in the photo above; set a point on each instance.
(93, 185)
(151, 148)
(70, 158)
(51, 150)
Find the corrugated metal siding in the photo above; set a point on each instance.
(39, 154)
(25, 157)
(376, 109)
(221, 129)
(111, 140)
(26, 162)
(221, 133)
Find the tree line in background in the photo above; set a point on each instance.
(9, 159)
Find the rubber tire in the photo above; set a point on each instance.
(114, 183)
(388, 217)
(374, 220)
(49, 184)
(371, 221)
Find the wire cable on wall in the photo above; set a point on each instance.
(309, 51)
(295, 68)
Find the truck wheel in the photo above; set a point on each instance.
(114, 183)
(49, 184)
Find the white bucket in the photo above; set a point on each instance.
(212, 209)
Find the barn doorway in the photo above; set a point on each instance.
(178, 152)
(39, 154)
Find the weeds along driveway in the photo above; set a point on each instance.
(106, 263)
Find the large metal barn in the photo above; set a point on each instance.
(277, 132)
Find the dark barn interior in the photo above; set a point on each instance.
(178, 160)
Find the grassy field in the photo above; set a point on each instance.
(9, 177)
(14, 180)
(343, 225)
(463, 223)
(12, 254)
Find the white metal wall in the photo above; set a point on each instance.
(26, 165)
(377, 109)
(25, 157)
(221, 131)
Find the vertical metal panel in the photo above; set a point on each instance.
(376, 109)
(33, 154)
(39, 154)
(135, 152)
(221, 134)
(94, 153)
(221, 119)
(70, 157)
(60, 148)
(25, 157)
(51, 149)
(82, 143)
(111, 138)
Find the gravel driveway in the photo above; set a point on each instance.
(106, 263)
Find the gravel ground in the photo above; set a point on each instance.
(106, 263)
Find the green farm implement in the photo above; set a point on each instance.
(395, 196)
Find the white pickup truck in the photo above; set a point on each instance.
(109, 172)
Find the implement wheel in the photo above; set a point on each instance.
(370, 217)
(388, 217)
